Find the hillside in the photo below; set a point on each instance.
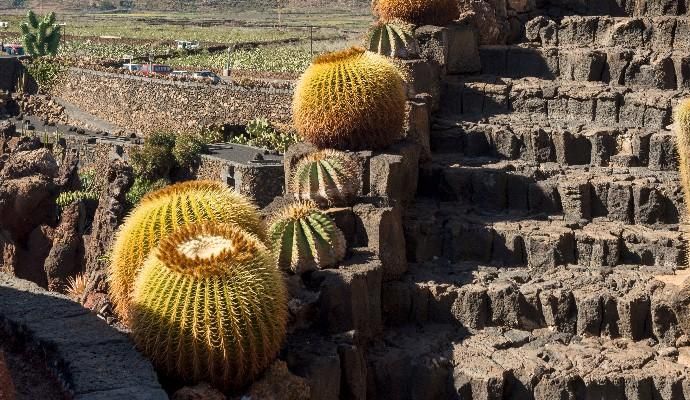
(178, 5)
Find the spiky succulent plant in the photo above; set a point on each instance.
(210, 305)
(417, 12)
(682, 128)
(350, 100)
(164, 211)
(40, 37)
(327, 177)
(393, 39)
(304, 238)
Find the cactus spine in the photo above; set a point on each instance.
(350, 100)
(210, 305)
(41, 38)
(417, 12)
(682, 128)
(393, 39)
(305, 239)
(328, 177)
(164, 211)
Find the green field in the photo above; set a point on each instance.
(281, 40)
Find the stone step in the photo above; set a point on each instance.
(451, 231)
(513, 138)
(659, 34)
(536, 100)
(629, 302)
(437, 362)
(630, 195)
(615, 65)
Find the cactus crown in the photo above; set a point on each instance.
(209, 304)
(350, 100)
(305, 239)
(417, 12)
(327, 177)
(163, 212)
(393, 39)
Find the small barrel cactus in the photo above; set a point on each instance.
(327, 177)
(305, 239)
(164, 211)
(210, 305)
(393, 39)
(350, 100)
(682, 128)
(417, 12)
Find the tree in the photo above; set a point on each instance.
(42, 37)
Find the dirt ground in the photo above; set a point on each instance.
(25, 379)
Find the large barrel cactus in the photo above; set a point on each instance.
(350, 100)
(393, 39)
(305, 239)
(164, 211)
(210, 305)
(682, 128)
(417, 12)
(327, 177)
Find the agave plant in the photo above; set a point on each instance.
(393, 39)
(350, 100)
(210, 305)
(305, 239)
(330, 178)
(40, 37)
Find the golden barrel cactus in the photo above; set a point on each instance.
(210, 305)
(330, 178)
(305, 239)
(417, 12)
(682, 128)
(393, 39)
(164, 211)
(350, 100)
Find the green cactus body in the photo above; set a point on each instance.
(393, 39)
(305, 239)
(40, 37)
(682, 128)
(163, 212)
(210, 305)
(330, 178)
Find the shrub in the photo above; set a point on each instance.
(46, 71)
(393, 39)
(418, 12)
(164, 211)
(155, 158)
(141, 187)
(187, 149)
(350, 100)
(88, 191)
(40, 37)
(304, 238)
(260, 133)
(232, 324)
(330, 178)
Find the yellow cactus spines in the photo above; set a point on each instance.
(682, 128)
(417, 12)
(330, 178)
(210, 305)
(164, 211)
(350, 100)
(305, 239)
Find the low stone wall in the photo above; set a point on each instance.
(146, 105)
(9, 72)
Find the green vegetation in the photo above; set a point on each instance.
(141, 187)
(165, 211)
(233, 322)
(46, 71)
(393, 39)
(88, 190)
(40, 37)
(330, 178)
(305, 239)
(260, 133)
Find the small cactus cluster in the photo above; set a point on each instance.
(417, 12)
(201, 292)
(350, 100)
(393, 39)
(40, 37)
(305, 239)
(210, 305)
(330, 178)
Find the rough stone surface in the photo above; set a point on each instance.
(278, 383)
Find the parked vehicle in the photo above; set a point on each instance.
(181, 73)
(156, 69)
(131, 67)
(187, 45)
(13, 49)
(206, 76)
